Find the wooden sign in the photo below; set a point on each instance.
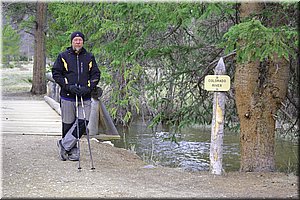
(217, 83)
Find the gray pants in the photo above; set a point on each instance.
(68, 115)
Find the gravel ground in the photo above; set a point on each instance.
(32, 169)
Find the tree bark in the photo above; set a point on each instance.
(260, 87)
(39, 65)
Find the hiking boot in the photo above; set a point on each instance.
(62, 152)
(73, 154)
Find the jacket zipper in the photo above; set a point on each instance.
(78, 70)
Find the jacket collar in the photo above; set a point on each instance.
(72, 51)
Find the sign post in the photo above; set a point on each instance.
(217, 83)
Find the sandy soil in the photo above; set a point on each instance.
(31, 168)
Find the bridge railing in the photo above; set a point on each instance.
(53, 89)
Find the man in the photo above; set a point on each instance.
(77, 73)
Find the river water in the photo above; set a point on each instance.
(191, 152)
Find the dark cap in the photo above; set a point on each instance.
(77, 34)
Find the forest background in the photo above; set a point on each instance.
(154, 56)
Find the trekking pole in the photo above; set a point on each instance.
(77, 124)
(87, 134)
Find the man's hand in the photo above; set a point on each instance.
(84, 91)
(97, 92)
(73, 89)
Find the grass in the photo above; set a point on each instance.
(17, 79)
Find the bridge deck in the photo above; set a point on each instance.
(29, 117)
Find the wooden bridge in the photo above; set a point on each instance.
(42, 117)
(29, 117)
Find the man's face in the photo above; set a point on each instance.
(77, 43)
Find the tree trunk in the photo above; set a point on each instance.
(39, 65)
(260, 87)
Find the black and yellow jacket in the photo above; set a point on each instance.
(75, 68)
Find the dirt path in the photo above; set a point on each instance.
(31, 168)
